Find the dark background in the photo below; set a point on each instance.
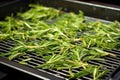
(112, 2)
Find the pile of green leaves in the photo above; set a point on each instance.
(64, 40)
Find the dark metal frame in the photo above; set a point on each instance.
(89, 9)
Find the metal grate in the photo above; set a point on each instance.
(110, 63)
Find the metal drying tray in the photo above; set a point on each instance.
(100, 12)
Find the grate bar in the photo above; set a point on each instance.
(116, 59)
(97, 63)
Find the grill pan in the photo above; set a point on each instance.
(103, 13)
